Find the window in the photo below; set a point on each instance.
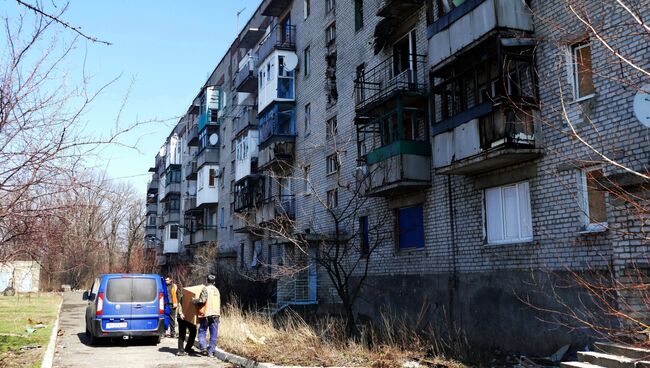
(507, 214)
(241, 255)
(332, 198)
(358, 14)
(307, 117)
(364, 243)
(222, 217)
(445, 6)
(592, 199)
(152, 220)
(329, 5)
(410, 227)
(174, 204)
(306, 8)
(330, 128)
(330, 34)
(211, 176)
(307, 61)
(332, 164)
(582, 79)
(307, 177)
(173, 232)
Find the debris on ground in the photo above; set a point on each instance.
(29, 347)
(60, 332)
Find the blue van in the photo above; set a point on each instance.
(126, 306)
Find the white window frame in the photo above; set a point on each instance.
(307, 177)
(584, 202)
(524, 211)
(306, 8)
(573, 69)
(330, 5)
(332, 164)
(333, 198)
(330, 33)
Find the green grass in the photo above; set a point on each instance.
(15, 313)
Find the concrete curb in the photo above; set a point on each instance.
(48, 358)
(249, 363)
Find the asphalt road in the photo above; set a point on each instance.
(73, 349)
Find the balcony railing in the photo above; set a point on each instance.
(207, 156)
(205, 233)
(396, 8)
(189, 203)
(152, 187)
(391, 76)
(245, 117)
(246, 76)
(276, 123)
(285, 206)
(191, 169)
(280, 37)
(152, 208)
(192, 136)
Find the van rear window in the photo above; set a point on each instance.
(131, 290)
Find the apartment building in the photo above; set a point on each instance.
(457, 123)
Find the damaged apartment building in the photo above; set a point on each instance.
(480, 134)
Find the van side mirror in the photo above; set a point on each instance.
(86, 296)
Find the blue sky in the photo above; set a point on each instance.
(164, 51)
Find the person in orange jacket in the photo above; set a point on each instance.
(171, 292)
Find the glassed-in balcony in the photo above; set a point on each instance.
(471, 20)
(394, 151)
(278, 124)
(280, 37)
(210, 104)
(399, 74)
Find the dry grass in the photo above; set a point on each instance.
(296, 343)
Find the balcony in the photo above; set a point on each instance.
(276, 155)
(471, 21)
(503, 137)
(278, 124)
(211, 104)
(208, 155)
(278, 208)
(246, 76)
(274, 8)
(191, 169)
(246, 192)
(280, 37)
(189, 204)
(393, 76)
(150, 231)
(205, 233)
(486, 104)
(172, 188)
(244, 223)
(173, 216)
(192, 136)
(152, 208)
(245, 118)
(152, 186)
(251, 38)
(161, 260)
(394, 150)
(397, 8)
(277, 83)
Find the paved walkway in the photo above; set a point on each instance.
(73, 350)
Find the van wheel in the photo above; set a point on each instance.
(92, 340)
(155, 340)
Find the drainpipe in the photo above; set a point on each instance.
(452, 281)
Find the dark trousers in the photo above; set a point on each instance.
(172, 322)
(184, 326)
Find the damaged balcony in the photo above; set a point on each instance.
(191, 169)
(246, 193)
(246, 76)
(486, 106)
(398, 75)
(204, 234)
(471, 21)
(397, 8)
(394, 151)
(277, 136)
(277, 209)
(245, 117)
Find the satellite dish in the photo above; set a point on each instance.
(642, 105)
(290, 61)
(214, 139)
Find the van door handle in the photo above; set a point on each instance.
(138, 306)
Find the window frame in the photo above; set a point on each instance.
(306, 8)
(330, 5)
(583, 189)
(333, 198)
(332, 164)
(358, 15)
(307, 122)
(330, 34)
(331, 128)
(574, 48)
(523, 237)
(171, 232)
(306, 56)
(307, 177)
(364, 238)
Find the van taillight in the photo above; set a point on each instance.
(100, 304)
(161, 303)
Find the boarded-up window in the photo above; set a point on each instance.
(410, 227)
